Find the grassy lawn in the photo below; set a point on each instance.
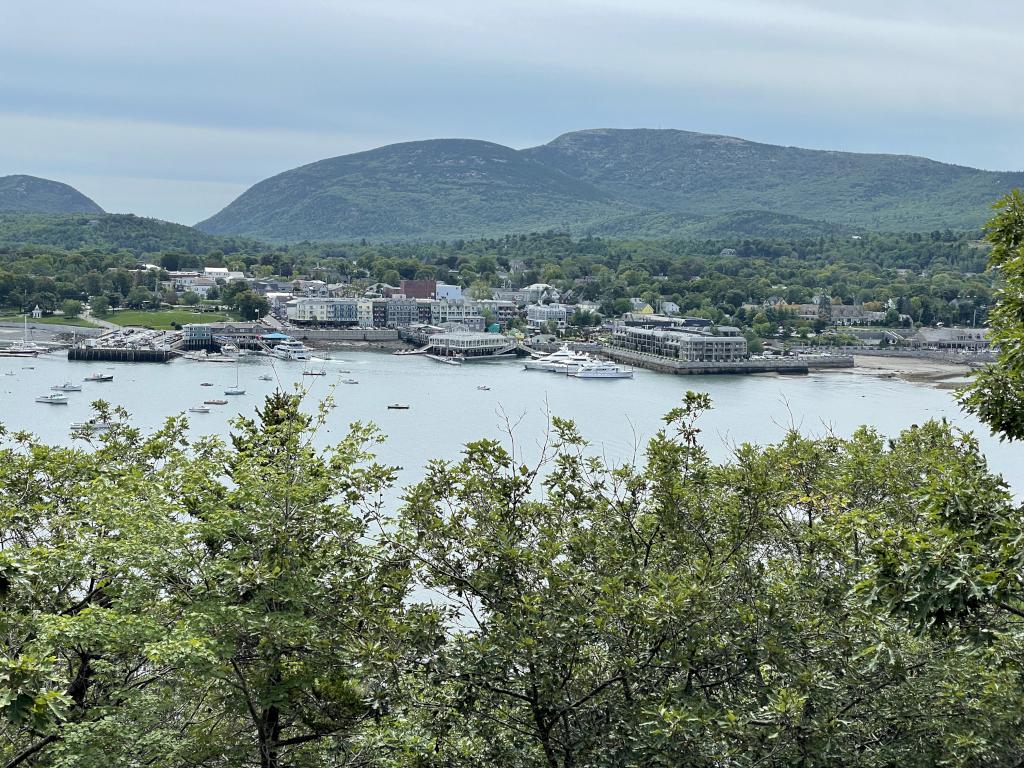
(48, 320)
(161, 319)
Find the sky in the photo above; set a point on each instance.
(172, 108)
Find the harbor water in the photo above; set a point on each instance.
(452, 405)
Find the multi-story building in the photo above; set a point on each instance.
(539, 315)
(364, 313)
(455, 312)
(418, 289)
(323, 311)
(445, 292)
(693, 347)
(503, 311)
(380, 313)
(400, 312)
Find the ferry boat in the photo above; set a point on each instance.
(602, 369)
(67, 386)
(292, 350)
(54, 398)
(562, 361)
(99, 377)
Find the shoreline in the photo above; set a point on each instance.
(941, 374)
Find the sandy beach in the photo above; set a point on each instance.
(921, 370)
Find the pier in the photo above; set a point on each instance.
(121, 354)
(784, 365)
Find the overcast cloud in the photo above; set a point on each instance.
(171, 109)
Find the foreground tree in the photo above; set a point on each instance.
(176, 604)
(997, 394)
(683, 613)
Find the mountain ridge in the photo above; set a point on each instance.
(599, 180)
(20, 193)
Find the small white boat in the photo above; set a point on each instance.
(67, 386)
(215, 401)
(484, 387)
(199, 409)
(92, 425)
(349, 381)
(54, 398)
(266, 377)
(99, 377)
(235, 390)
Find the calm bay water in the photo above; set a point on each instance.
(447, 410)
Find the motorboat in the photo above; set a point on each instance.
(398, 407)
(206, 384)
(562, 361)
(292, 350)
(215, 401)
(67, 386)
(602, 369)
(349, 381)
(92, 425)
(101, 377)
(199, 409)
(484, 387)
(54, 398)
(266, 377)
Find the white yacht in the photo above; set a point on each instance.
(562, 361)
(67, 386)
(602, 369)
(292, 350)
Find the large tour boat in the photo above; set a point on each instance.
(292, 350)
(602, 369)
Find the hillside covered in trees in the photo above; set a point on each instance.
(30, 194)
(626, 183)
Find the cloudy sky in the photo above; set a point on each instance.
(171, 108)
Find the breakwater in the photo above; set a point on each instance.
(785, 365)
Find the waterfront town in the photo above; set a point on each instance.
(440, 320)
